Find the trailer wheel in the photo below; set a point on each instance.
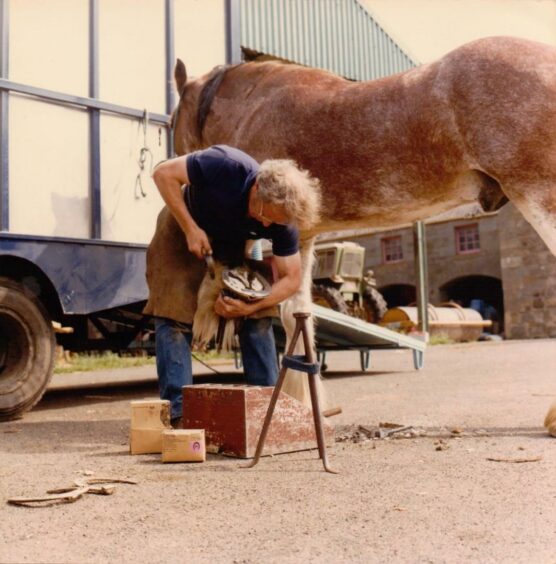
(328, 296)
(374, 304)
(27, 350)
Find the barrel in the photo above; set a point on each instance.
(450, 320)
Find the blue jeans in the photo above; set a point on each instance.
(173, 357)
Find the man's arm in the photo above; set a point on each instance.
(289, 281)
(169, 177)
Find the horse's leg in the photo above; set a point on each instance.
(550, 420)
(296, 383)
(537, 203)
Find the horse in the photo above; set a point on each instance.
(479, 124)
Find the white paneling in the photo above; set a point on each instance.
(49, 144)
(200, 34)
(132, 53)
(49, 164)
(49, 44)
(126, 214)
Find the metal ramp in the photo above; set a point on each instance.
(339, 332)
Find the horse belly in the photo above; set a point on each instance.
(392, 207)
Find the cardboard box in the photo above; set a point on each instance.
(148, 419)
(183, 445)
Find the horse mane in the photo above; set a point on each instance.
(208, 93)
(213, 82)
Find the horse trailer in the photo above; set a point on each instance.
(86, 89)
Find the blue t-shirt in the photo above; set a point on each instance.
(220, 179)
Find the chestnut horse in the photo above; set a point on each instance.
(478, 124)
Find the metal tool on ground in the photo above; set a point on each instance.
(384, 431)
(306, 363)
(81, 486)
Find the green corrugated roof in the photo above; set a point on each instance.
(337, 35)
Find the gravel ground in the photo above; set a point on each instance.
(434, 497)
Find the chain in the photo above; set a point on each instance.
(144, 153)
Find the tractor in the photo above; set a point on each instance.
(340, 282)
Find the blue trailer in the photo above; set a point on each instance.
(86, 89)
(96, 288)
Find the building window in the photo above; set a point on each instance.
(392, 249)
(467, 239)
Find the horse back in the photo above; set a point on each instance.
(484, 111)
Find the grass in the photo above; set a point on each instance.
(213, 355)
(100, 361)
(90, 362)
(440, 339)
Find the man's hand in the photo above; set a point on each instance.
(229, 307)
(169, 177)
(198, 242)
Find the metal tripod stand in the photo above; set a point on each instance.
(306, 363)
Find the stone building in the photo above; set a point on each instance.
(496, 258)
(528, 278)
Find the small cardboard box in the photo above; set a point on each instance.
(148, 419)
(183, 445)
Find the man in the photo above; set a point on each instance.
(227, 200)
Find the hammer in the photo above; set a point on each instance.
(209, 261)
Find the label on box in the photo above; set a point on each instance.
(183, 445)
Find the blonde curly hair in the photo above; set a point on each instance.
(282, 182)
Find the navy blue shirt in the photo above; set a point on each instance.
(220, 179)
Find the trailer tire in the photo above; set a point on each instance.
(330, 297)
(27, 349)
(374, 305)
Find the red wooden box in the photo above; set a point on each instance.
(233, 415)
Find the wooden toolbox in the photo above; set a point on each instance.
(233, 415)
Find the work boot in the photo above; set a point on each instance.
(176, 423)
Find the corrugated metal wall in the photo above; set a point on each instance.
(337, 35)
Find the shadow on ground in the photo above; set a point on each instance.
(70, 436)
(117, 391)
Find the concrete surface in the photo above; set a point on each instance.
(396, 500)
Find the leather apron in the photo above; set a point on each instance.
(174, 274)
